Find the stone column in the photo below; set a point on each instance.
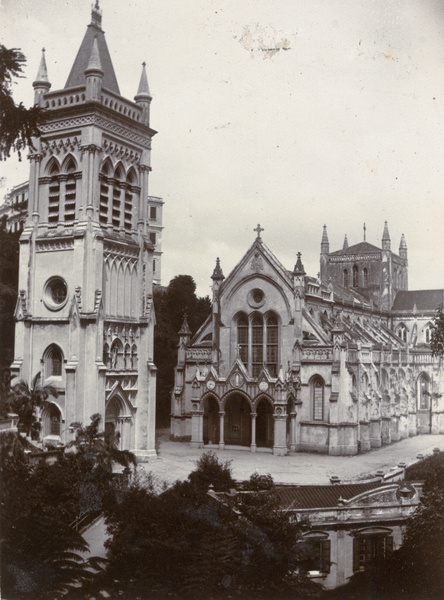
(293, 432)
(253, 446)
(221, 430)
(280, 432)
(196, 427)
(375, 433)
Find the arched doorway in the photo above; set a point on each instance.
(264, 424)
(211, 421)
(238, 421)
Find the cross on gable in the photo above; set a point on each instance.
(258, 229)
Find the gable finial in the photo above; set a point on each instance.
(258, 230)
(96, 15)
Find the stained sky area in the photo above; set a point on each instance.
(291, 114)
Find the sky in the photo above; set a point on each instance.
(292, 114)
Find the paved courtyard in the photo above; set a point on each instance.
(176, 459)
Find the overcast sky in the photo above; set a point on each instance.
(288, 113)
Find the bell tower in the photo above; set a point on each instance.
(86, 259)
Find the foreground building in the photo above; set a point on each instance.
(335, 364)
(85, 315)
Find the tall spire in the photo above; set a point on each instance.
(365, 231)
(345, 246)
(325, 245)
(143, 90)
(143, 96)
(94, 74)
(403, 247)
(386, 237)
(41, 85)
(76, 78)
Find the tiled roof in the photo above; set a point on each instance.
(321, 496)
(361, 248)
(424, 300)
(77, 74)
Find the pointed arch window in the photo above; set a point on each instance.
(52, 362)
(402, 332)
(345, 278)
(365, 277)
(428, 333)
(117, 197)
(257, 344)
(242, 338)
(423, 392)
(355, 276)
(317, 397)
(272, 345)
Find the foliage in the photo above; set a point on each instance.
(170, 305)
(25, 399)
(437, 333)
(41, 552)
(187, 543)
(9, 265)
(18, 124)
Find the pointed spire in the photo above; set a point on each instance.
(94, 63)
(185, 329)
(41, 85)
(385, 237)
(403, 247)
(325, 245)
(345, 245)
(42, 75)
(365, 232)
(217, 273)
(143, 90)
(299, 267)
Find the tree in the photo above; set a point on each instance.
(170, 305)
(18, 124)
(41, 552)
(437, 334)
(190, 542)
(25, 399)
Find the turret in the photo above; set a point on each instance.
(345, 245)
(325, 249)
(217, 278)
(143, 97)
(41, 85)
(386, 238)
(94, 74)
(403, 248)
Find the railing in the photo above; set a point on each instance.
(317, 354)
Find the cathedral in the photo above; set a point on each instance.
(337, 364)
(89, 253)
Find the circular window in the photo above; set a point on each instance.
(55, 293)
(256, 298)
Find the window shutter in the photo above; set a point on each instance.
(325, 556)
(355, 554)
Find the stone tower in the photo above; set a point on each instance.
(85, 315)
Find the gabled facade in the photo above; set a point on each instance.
(294, 363)
(85, 315)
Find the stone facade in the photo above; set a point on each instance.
(294, 363)
(85, 315)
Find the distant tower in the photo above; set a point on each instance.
(85, 314)
(325, 249)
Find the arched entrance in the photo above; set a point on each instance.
(211, 421)
(112, 419)
(264, 424)
(238, 421)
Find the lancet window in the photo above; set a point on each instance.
(62, 190)
(258, 342)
